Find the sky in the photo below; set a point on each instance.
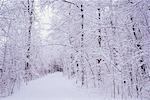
(45, 16)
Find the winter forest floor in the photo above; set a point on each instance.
(55, 87)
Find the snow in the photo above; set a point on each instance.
(53, 87)
(56, 87)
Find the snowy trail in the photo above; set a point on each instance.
(53, 87)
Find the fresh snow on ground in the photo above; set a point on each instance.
(54, 87)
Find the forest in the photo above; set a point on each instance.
(99, 44)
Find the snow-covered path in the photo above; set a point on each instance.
(54, 87)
